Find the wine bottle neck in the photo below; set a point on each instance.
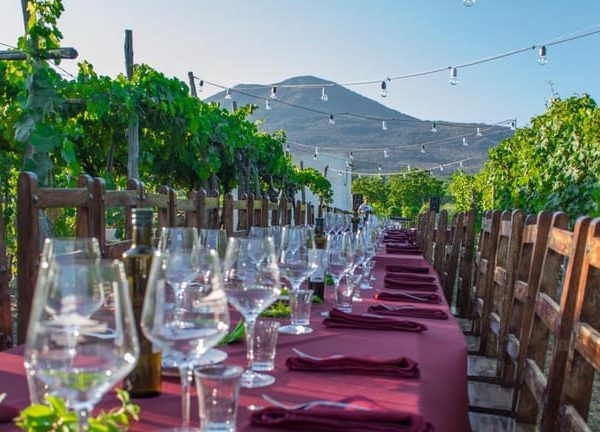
(142, 235)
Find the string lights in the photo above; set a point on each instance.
(384, 92)
(324, 96)
(385, 153)
(227, 94)
(433, 127)
(380, 172)
(453, 76)
(267, 105)
(331, 119)
(468, 3)
(273, 94)
(478, 132)
(542, 59)
(464, 142)
(422, 148)
(383, 125)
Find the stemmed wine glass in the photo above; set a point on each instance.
(297, 261)
(252, 284)
(215, 239)
(340, 257)
(78, 343)
(185, 315)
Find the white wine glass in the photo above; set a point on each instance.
(252, 286)
(297, 261)
(79, 344)
(214, 238)
(185, 319)
(340, 258)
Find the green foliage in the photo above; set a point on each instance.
(403, 195)
(317, 183)
(55, 416)
(553, 164)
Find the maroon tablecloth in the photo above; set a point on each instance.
(439, 394)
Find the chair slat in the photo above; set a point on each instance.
(59, 198)
(587, 343)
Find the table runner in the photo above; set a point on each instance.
(439, 394)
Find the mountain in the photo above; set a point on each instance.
(358, 128)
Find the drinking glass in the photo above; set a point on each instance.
(252, 285)
(77, 343)
(340, 257)
(185, 315)
(359, 249)
(218, 392)
(300, 306)
(259, 232)
(215, 239)
(298, 260)
(63, 250)
(329, 223)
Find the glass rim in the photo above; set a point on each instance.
(218, 371)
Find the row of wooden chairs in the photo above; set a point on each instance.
(93, 204)
(534, 305)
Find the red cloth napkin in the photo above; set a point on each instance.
(331, 419)
(409, 297)
(338, 318)
(8, 413)
(413, 312)
(401, 367)
(392, 282)
(390, 249)
(408, 276)
(406, 268)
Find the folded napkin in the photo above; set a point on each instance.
(408, 276)
(391, 282)
(408, 311)
(338, 318)
(390, 249)
(401, 367)
(406, 268)
(330, 419)
(8, 413)
(409, 297)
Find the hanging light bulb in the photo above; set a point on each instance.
(315, 156)
(379, 168)
(317, 151)
(383, 125)
(465, 143)
(384, 92)
(340, 172)
(468, 3)
(267, 105)
(359, 175)
(422, 148)
(441, 167)
(200, 85)
(460, 164)
(351, 156)
(287, 147)
(273, 94)
(542, 59)
(331, 119)
(385, 153)
(408, 167)
(227, 95)
(431, 171)
(453, 76)
(348, 164)
(513, 125)
(433, 127)
(324, 96)
(478, 132)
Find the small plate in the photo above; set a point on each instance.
(212, 356)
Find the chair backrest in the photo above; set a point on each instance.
(484, 269)
(584, 351)
(528, 272)
(463, 297)
(498, 301)
(429, 233)
(451, 262)
(6, 328)
(32, 202)
(441, 240)
(552, 323)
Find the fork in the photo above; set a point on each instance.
(308, 356)
(404, 293)
(306, 405)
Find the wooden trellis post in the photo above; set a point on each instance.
(133, 138)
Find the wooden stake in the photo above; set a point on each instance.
(134, 121)
(192, 84)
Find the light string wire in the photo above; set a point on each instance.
(53, 65)
(590, 31)
(408, 171)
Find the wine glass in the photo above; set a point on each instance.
(259, 232)
(77, 343)
(297, 261)
(359, 249)
(215, 239)
(185, 317)
(252, 286)
(329, 223)
(62, 250)
(340, 258)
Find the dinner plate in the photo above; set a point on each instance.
(212, 356)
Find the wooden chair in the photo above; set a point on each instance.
(465, 272)
(32, 202)
(441, 241)
(494, 305)
(448, 276)
(428, 240)
(552, 324)
(488, 398)
(584, 351)
(484, 272)
(6, 328)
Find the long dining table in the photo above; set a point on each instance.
(439, 394)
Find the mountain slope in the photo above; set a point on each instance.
(404, 137)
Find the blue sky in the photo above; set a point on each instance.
(348, 40)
